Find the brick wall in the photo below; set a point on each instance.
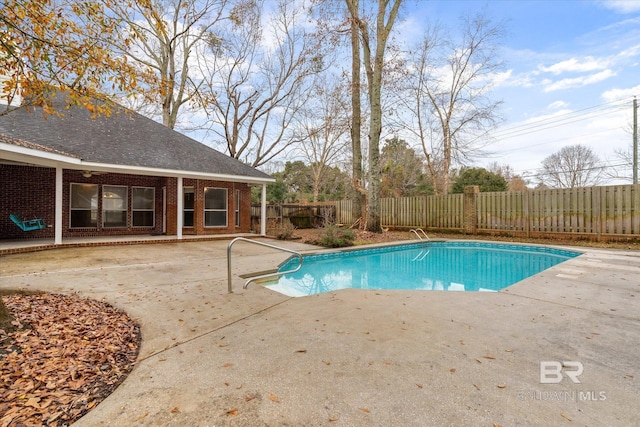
(30, 192)
(470, 219)
(198, 207)
(76, 177)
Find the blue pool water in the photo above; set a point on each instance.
(447, 266)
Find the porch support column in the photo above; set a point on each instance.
(179, 208)
(263, 211)
(58, 208)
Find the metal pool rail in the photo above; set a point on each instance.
(262, 276)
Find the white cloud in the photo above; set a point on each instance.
(630, 52)
(547, 117)
(622, 6)
(557, 105)
(574, 82)
(575, 65)
(617, 94)
(501, 79)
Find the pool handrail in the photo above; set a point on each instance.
(262, 276)
(415, 231)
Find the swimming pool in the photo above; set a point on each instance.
(447, 266)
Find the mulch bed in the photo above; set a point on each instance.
(66, 355)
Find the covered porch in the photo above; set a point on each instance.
(46, 189)
(16, 246)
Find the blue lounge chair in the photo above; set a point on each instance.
(27, 225)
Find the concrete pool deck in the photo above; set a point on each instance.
(355, 357)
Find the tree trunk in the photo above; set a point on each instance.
(374, 78)
(356, 120)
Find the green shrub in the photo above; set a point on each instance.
(336, 237)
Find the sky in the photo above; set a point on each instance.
(571, 71)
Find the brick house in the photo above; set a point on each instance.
(117, 175)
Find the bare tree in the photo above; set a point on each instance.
(322, 126)
(571, 167)
(449, 103)
(515, 181)
(624, 160)
(166, 35)
(256, 83)
(373, 59)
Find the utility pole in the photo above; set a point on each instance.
(635, 140)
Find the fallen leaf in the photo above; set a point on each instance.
(175, 410)
(274, 398)
(489, 357)
(452, 370)
(563, 415)
(227, 365)
(33, 402)
(477, 388)
(142, 416)
(419, 385)
(232, 412)
(501, 386)
(332, 419)
(303, 350)
(365, 410)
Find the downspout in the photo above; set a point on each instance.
(179, 208)
(263, 211)
(58, 207)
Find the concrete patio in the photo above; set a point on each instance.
(354, 357)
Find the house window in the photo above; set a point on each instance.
(187, 206)
(143, 206)
(114, 206)
(215, 207)
(84, 206)
(237, 208)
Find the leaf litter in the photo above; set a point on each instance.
(66, 356)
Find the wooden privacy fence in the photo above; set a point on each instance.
(302, 216)
(594, 211)
(609, 210)
(442, 212)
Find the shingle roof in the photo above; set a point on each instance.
(124, 138)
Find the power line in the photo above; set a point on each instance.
(556, 140)
(560, 120)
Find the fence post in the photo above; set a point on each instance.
(526, 214)
(470, 217)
